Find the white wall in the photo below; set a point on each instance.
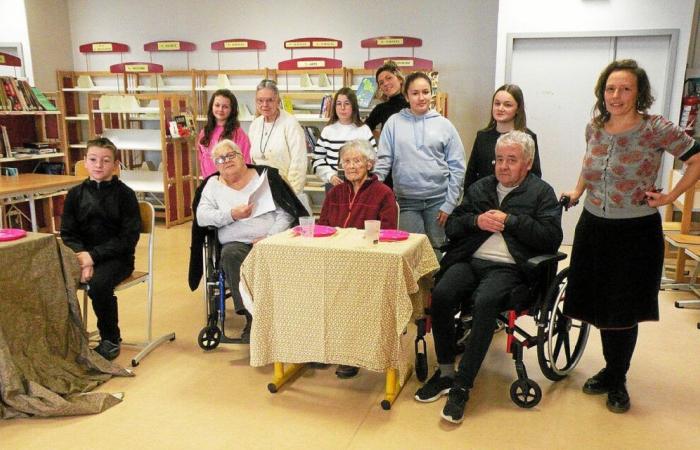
(13, 28)
(544, 16)
(49, 35)
(458, 35)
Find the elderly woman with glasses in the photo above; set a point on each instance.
(235, 200)
(277, 139)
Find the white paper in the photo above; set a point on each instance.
(261, 197)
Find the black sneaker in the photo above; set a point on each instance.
(618, 399)
(434, 388)
(597, 384)
(108, 349)
(454, 408)
(344, 371)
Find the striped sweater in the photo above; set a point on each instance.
(328, 146)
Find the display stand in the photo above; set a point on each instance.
(73, 88)
(157, 166)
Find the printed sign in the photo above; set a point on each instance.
(310, 64)
(324, 44)
(102, 47)
(136, 68)
(390, 41)
(235, 44)
(169, 45)
(299, 44)
(401, 62)
(2, 59)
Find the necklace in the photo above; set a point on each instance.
(263, 148)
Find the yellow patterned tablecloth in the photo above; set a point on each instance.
(337, 299)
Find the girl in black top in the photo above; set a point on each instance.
(507, 113)
(390, 82)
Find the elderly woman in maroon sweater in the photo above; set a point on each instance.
(362, 196)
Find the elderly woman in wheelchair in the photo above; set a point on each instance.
(246, 203)
(504, 220)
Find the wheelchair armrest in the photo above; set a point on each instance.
(537, 262)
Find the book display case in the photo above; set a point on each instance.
(24, 124)
(158, 167)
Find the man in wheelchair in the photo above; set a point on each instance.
(502, 222)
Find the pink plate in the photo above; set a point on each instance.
(393, 235)
(319, 230)
(11, 234)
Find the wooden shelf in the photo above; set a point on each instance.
(30, 113)
(33, 157)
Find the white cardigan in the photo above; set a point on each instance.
(285, 150)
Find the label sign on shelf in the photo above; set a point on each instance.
(235, 44)
(310, 63)
(238, 44)
(172, 45)
(391, 41)
(9, 60)
(300, 44)
(313, 42)
(102, 47)
(169, 46)
(401, 61)
(135, 68)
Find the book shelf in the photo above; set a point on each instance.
(22, 127)
(160, 168)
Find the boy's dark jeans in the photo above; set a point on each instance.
(106, 276)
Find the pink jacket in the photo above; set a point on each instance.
(206, 165)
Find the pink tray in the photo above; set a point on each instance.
(393, 235)
(11, 234)
(319, 230)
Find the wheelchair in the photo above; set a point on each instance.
(215, 295)
(560, 340)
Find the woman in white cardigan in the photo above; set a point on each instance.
(277, 139)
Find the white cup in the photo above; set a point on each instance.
(372, 230)
(307, 225)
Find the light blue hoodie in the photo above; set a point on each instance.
(425, 156)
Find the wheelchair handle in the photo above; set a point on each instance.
(564, 202)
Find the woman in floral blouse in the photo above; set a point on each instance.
(617, 256)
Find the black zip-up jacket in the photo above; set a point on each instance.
(102, 219)
(282, 194)
(533, 226)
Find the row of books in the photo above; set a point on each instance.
(29, 149)
(17, 95)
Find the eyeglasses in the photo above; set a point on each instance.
(356, 162)
(227, 157)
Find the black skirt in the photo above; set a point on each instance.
(615, 271)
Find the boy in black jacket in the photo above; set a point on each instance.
(101, 224)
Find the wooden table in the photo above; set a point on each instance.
(337, 300)
(29, 186)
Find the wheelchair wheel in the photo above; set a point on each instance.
(560, 339)
(525, 393)
(209, 338)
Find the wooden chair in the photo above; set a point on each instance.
(147, 213)
(680, 234)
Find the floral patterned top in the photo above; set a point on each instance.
(620, 168)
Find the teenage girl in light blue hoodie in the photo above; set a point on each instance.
(426, 157)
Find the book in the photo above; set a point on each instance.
(43, 101)
(366, 91)
(6, 141)
(11, 95)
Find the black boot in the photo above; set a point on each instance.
(245, 336)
